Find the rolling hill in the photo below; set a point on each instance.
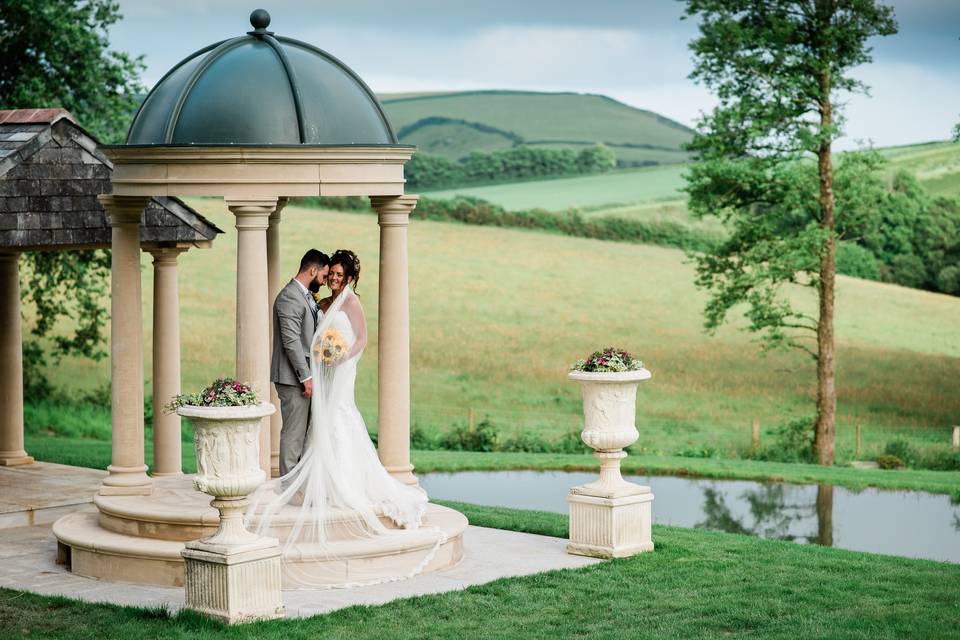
(454, 124)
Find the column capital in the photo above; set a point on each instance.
(252, 213)
(166, 256)
(123, 209)
(275, 215)
(394, 211)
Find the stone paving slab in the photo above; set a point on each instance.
(41, 492)
(28, 554)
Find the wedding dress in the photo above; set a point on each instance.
(339, 490)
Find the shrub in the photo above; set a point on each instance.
(903, 450)
(948, 280)
(859, 262)
(483, 437)
(699, 452)
(794, 443)
(908, 270)
(889, 462)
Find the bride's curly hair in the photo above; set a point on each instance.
(350, 263)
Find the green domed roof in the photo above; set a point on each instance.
(260, 89)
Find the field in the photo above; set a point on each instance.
(454, 124)
(498, 314)
(599, 191)
(936, 165)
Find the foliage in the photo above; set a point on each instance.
(479, 212)
(857, 261)
(889, 462)
(793, 442)
(55, 53)
(224, 392)
(776, 68)
(610, 360)
(482, 437)
(425, 171)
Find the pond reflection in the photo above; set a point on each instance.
(907, 523)
(773, 514)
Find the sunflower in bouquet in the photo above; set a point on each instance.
(331, 348)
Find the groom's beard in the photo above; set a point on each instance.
(314, 286)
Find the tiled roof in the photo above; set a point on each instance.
(34, 116)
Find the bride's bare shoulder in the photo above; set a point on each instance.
(324, 304)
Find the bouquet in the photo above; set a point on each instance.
(331, 348)
(610, 360)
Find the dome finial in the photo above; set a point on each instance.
(259, 20)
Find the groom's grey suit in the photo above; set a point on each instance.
(294, 322)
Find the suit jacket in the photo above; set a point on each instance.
(293, 328)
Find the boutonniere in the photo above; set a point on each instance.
(317, 297)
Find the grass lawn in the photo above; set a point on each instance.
(498, 314)
(96, 454)
(697, 584)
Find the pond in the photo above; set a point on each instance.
(904, 523)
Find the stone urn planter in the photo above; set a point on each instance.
(233, 575)
(610, 517)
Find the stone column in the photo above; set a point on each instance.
(253, 310)
(128, 473)
(166, 361)
(11, 364)
(273, 279)
(394, 336)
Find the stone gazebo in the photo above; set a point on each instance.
(255, 119)
(52, 173)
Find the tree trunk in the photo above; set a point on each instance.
(823, 442)
(825, 515)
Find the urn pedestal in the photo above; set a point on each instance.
(610, 517)
(233, 575)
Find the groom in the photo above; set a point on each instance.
(294, 322)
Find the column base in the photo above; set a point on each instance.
(610, 527)
(126, 481)
(403, 473)
(14, 458)
(243, 586)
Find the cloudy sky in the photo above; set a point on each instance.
(632, 50)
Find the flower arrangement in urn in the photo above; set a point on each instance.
(226, 417)
(609, 517)
(610, 360)
(224, 392)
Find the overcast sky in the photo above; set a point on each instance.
(633, 50)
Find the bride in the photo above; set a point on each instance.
(339, 488)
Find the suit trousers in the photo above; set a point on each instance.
(295, 410)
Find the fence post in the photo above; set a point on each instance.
(956, 437)
(755, 435)
(859, 442)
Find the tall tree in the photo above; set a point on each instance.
(777, 68)
(55, 53)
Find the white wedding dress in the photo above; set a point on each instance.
(339, 489)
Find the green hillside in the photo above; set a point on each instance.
(936, 165)
(454, 124)
(498, 314)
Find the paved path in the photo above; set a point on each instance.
(41, 492)
(27, 562)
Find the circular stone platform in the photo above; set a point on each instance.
(139, 538)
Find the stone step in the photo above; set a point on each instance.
(91, 550)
